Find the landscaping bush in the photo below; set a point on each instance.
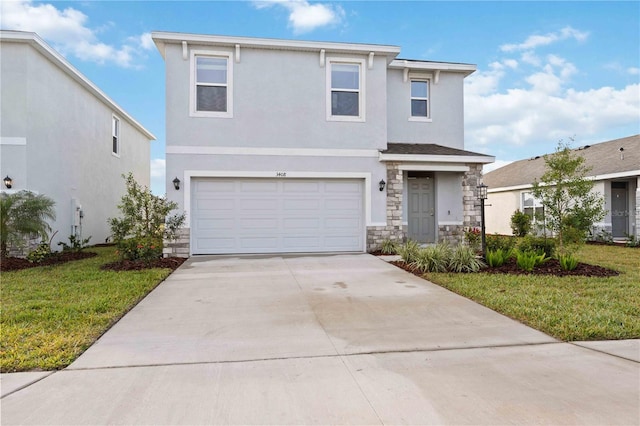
(76, 245)
(473, 237)
(497, 258)
(520, 223)
(388, 247)
(432, 259)
(146, 221)
(24, 213)
(527, 260)
(40, 253)
(500, 242)
(408, 251)
(568, 262)
(538, 245)
(463, 259)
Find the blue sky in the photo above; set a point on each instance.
(546, 70)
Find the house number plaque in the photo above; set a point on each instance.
(281, 174)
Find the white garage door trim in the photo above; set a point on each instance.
(189, 174)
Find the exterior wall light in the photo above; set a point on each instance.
(176, 183)
(482, 195)
(8, 182)
(381, 185)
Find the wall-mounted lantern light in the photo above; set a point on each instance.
(176, 183)
(381, 185)
(482, 195)
(8, 182)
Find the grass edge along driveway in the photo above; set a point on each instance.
(571, 308)
(52, 314)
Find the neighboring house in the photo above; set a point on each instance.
(62, 137)
(300, 146)
(615, 168)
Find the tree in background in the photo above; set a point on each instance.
(22, 214)
(145, 221)
(570, 206)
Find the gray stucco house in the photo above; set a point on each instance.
(63, 137)
(615, 170)
(303, 146)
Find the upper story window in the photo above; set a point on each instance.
(345, 90)
(211, 84)
(420, 99)
(115, 134)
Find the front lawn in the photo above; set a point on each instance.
(570, 308)
(51, 314)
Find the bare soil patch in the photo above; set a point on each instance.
(17, 263)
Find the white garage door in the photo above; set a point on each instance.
(276, 215)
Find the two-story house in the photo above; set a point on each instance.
(61, 136)
(300, 146)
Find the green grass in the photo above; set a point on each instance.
(51, 314)
(567, 308)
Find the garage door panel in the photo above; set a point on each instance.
(235, 215)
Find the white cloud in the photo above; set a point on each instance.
(495, 165)
(633, 70)
(68, 32)
(534, 41)
(305, 16)
(158, 174)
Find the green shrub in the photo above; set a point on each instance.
(145, 249)
(527, 260)
(40, 253)
(500, 242)
(408, 251)
(463, 259)
(537, 245)
(388, 247)
(568, 262)
(473, 237)
(497, 258)
(432, 259)
(75, 245)
(520, 223)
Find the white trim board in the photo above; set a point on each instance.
(433, 168)
(294, 152)
(437, 158)
(11, 140)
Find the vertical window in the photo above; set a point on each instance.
(115, 133)
(345, 91)
(420, 98)
(211, 84)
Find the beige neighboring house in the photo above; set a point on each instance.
(615, 168)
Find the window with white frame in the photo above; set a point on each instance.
(211, 89)
(532, 206)
(420, 99)
(345, 90)
(115, 134)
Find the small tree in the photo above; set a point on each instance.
(24, 213)
(520, 223)
(145, 222)
(570, 206)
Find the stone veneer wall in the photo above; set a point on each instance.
(394, 230)
(179, 247)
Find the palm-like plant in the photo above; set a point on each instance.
(24, 213)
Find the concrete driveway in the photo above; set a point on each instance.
(342, 339)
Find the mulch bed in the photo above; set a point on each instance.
(17, 263)
(136, 265)
(550, 267)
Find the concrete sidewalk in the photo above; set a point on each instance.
(344, 339)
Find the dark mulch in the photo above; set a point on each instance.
(137, 265)
(550, 267)
(16, 263)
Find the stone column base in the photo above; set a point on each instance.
(377, 234)
(180, 247)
